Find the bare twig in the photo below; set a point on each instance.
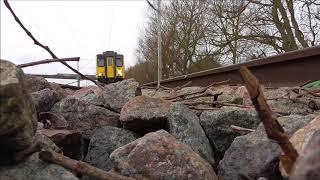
(197, 103)
(217, 83)
(183, 86)
(315, 90)
(273, 129)
(36, 42)
(165, 88)
(147, 87)
(241, 129)
(312, 92)
(305, 83)
(203, 108)
(202, 90)
(231, 104)
(215, 103)
(45, 61)
(79, 166)
(205, 94)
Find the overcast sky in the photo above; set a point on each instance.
(71, 28)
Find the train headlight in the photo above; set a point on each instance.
(119, 72)
(100, 74)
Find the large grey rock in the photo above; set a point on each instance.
(115, 95)
(217, 125)
(144, 114)
(90, 94)
(287, 106)
(188, 90)
(154, 93)
(276, 93)
(85, 117)
(62, 92)
(35, 83)
(103, 142)
(254, 155)
(92, 98)
(229, 95)
(158, 155)
(86, 90)
(44, 99)
(18, 118)
(184, 125)
(35, 169)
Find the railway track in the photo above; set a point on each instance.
(288, 69)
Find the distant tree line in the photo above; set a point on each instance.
(203, 34)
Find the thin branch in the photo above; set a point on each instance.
(241, 129)
(311, 92)
(216, 103)
(260, 3)
(151, 5)
(79, 166)
(202, 90)
(165, 88)
(203, 108)
(45, 61)
(182, 86)
(205, 94)
(36, 42)
(273, 129)
(315, 90)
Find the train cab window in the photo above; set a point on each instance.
(109, 61)
(119, 62)
(101, 62)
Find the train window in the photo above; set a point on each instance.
(119, 62)
(101, 62)
(109, 61)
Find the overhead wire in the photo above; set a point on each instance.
(90, 61)
(110, 29)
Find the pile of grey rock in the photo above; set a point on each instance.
(137, 133)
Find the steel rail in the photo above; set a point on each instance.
(287, 69)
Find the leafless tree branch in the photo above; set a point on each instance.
(36, 42)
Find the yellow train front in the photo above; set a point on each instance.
(110, 67)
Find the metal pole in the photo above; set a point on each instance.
(78, 76)
(159, 44)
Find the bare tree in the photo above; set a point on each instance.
(184, 47)
(309, 13)
(197, 34)
(275, 24)
(246, 29)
